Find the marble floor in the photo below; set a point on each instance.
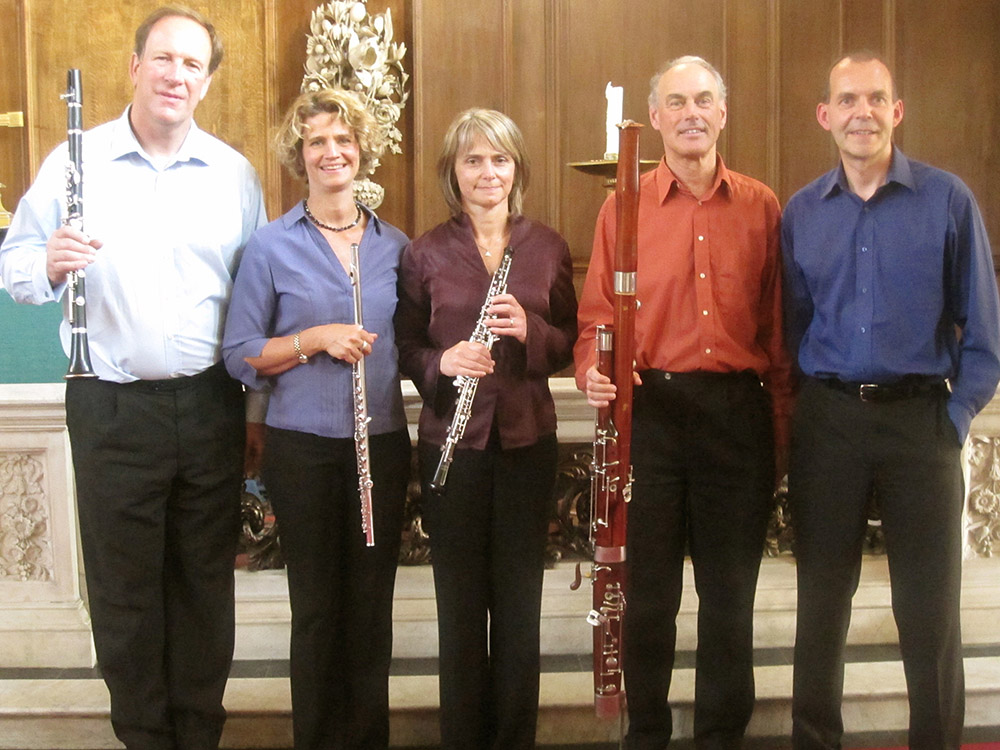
(66, 709)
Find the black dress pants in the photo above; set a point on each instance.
(340, 590)
(487, 535)
(703, 467)
(907, 451)
(159, 465)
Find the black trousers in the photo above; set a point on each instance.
(907, 452)
(703, 466)
(340, 590)
(487, 535)
(159, 465)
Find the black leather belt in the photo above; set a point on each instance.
(882, 392)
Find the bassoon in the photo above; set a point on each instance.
(79, 347)
(359, 389)
(611, 483)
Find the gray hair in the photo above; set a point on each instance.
(685, 60)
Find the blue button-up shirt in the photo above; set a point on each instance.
(289, 279)
(900, 284)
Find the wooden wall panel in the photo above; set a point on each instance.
(459, 62)
(14, 170)
(810, 39)
(545, 62)
(97, 37)
(952, 117)
(751, 74)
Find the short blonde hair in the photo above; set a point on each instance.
(502, 134)
(348, 109)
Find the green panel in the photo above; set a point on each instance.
(29, 342)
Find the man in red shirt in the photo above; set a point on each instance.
(711, 406)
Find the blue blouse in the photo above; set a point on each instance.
(288, 280)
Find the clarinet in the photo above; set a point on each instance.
(361, 418)
(467, 385)
(611, 484)
(76, 288)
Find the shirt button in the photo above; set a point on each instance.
(708, 351)
(701, 238)
(864, 249)
(666, 376)
(701, 275)
(704, 312)
(863, 329)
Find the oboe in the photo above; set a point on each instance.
(361, 418)
(467, 385)
(611, 487)
(76, 288)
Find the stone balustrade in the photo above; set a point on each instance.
(44, 620)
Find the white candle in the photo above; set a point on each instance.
(614, 95)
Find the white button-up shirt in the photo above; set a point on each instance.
(173, 233)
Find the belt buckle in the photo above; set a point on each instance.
(868, 392)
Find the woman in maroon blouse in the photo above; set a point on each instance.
(488, 526)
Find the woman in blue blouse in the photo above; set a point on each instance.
(291, 330)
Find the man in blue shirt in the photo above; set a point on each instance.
(892, 317)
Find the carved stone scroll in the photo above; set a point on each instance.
(982, 526)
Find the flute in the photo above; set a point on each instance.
(76, 287)
(361, 419)
(467, 386)
(611, 484)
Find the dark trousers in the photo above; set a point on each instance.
(907, 451)
(487, 536)
(703, 467)
(159, 466)
(340, 590)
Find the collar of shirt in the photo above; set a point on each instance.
(900, 173)
(197, 146)
(668, 184)
(297, 213)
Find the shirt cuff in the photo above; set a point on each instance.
(43, 289)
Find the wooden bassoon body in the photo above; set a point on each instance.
(611, 486)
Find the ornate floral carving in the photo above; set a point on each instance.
(349, 49)
(25, 546)
(982, 526)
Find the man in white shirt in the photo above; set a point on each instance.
(158, 435)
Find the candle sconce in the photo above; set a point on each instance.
(606, 169)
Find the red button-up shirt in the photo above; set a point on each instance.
(708, 282)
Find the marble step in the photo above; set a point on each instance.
(49, 713)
